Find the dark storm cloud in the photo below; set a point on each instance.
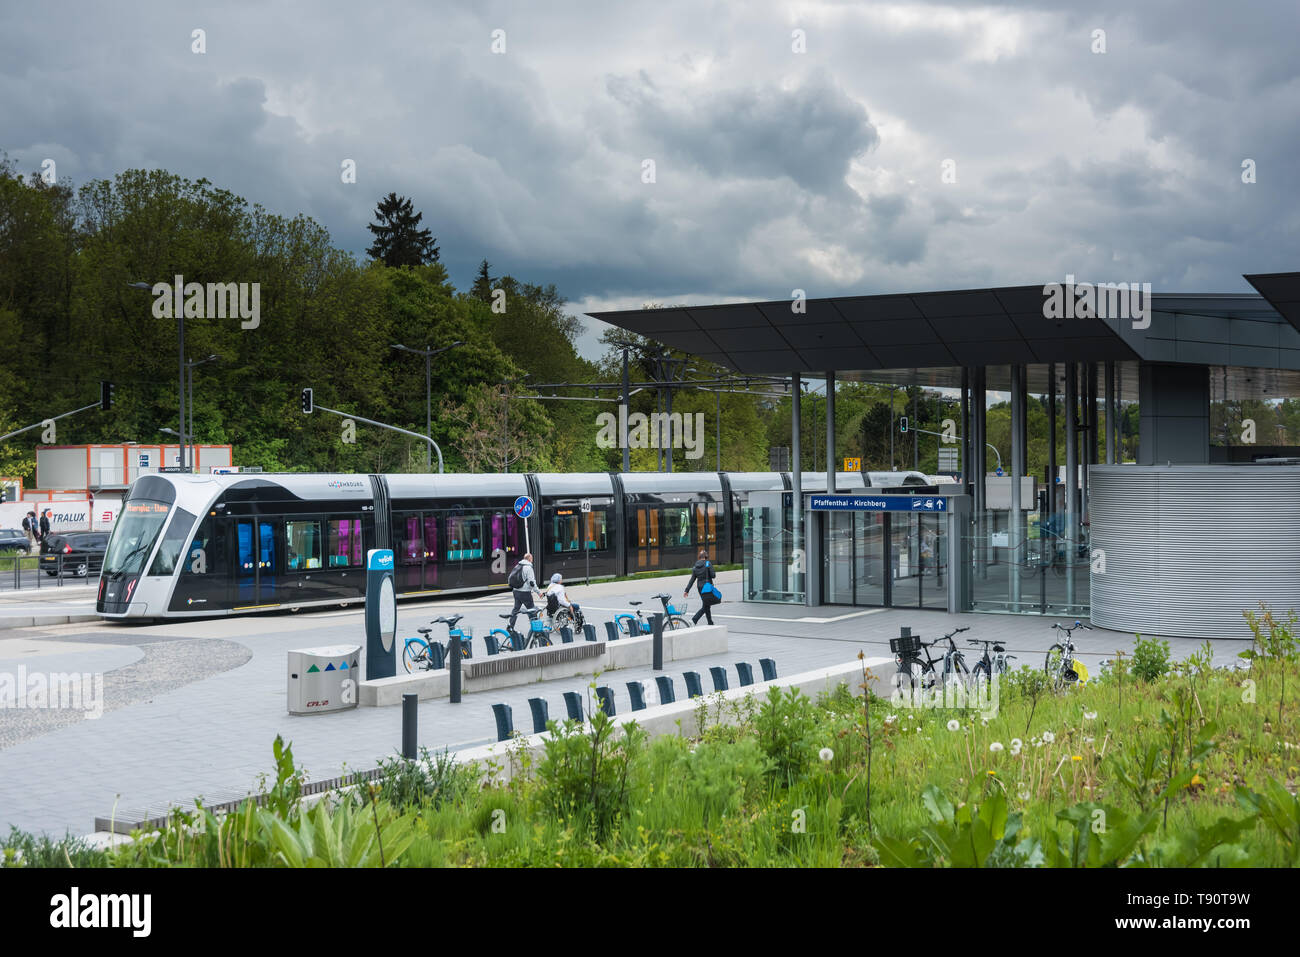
(775, 169)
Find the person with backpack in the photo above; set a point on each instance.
(709, 594)
(523, 583)
(45, 530)
(32, 528)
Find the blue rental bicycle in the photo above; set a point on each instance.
(639, 623)
(426, 654)
(507, 639)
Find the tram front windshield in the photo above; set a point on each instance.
(134, 536)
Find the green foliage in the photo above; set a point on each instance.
(1150, 658)
(786, 729)
(584, 773)
(21, 849)
(432, 780)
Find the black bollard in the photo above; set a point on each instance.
(410, 702)
(453, 649)
(657, 628)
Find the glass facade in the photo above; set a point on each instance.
(899, 559)
(775, 564)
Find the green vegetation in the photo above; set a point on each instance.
(1192, 767)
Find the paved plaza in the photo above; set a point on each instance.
(190, 709)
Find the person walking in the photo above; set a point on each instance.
(32, 529)
(523, 582)
(45, 528)
(704, 574)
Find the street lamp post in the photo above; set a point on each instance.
(194, 449)
(181, 372)
(428, 354)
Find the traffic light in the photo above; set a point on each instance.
(105, 396)
(307, 404)
(4, 494)
(902, 423)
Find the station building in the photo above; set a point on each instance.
(1181, 542)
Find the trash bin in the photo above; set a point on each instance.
(323, 679)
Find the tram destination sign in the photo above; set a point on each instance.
(878, 503)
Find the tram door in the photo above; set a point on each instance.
(647, 537)
(257, 569)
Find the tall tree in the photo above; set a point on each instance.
(398, 239)
(482, 288)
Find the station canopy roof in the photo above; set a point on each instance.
(927, 337)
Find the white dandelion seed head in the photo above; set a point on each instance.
(1048, 737)
(954, 725)
(995, 747)
(826, 754)
(1089, 715)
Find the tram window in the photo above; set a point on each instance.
(595, 532)
(706, 523)
(677, 526)
(409, 543)
(564, 530)
(169, 552)
(304, 545)
(199, 556)
(464, 538)
(345, 545)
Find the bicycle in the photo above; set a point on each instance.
(988, 666)
(1061, 666)
(426, 654)
(922, 673)
(674, 617)
(507, 639)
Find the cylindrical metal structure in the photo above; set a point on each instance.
(1015, 538)
(796, 473)
(1051, 438)
(1189, 548)
(830, 432)
(1071, 476)
(1110, 413)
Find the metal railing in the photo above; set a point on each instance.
(31, 571)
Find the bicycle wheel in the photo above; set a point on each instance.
(415, 655)
(980, 672)
(1054, 666)
(913, 674)
(677, 621)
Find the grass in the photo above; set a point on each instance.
(1188, 766)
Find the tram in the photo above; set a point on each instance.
(201, 545)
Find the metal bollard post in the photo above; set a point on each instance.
(453, 649)
(657, 627)
(410, 702)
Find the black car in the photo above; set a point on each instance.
(13, 541)
(76, 553)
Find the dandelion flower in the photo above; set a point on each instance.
(992, 774)
(1048, 737)
(826, 754)
(1089, 740)
(1023, 794)
(1089, 715)
(1075, 757)
(954, 725)
(1016, 745)
(984, 722)
(995, 747)
(890, 718)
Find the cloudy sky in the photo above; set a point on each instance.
(775, 168)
